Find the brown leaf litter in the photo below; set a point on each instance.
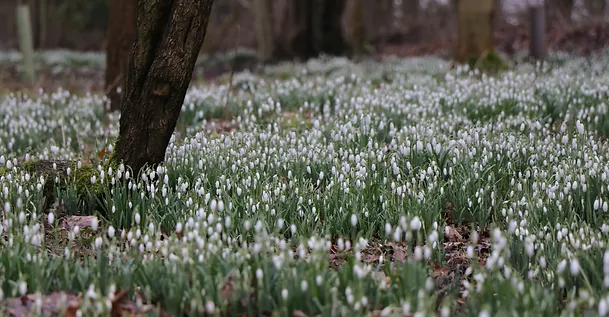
(66, 304)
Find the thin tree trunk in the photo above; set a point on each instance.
(168, 41)
(265, 40)
(475, 28)
(537, 24)
(121, 35)
(330, 38)
(355, 28)
(311, 28)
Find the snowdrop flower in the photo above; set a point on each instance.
(94, 224)
(51, 218)
(580, 127)
(574, 267)
(603, 307)
(22, 286)
(111, 231)
(415, 223)
(210, 306)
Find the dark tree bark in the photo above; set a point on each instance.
(329, 32)
(168, 41)
(537, 25)
(310, 28)
(121, 35)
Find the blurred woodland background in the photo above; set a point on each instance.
(279, 30)
(401, 27)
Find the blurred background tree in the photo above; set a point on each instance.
(295, 29)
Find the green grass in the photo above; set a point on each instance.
(340, 192)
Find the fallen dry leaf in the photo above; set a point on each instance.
(117, 301)
(51, 304)
(227, 289)
(452, 234)
(399, 254)
(56, 303)
(82, 222)
(298, 313)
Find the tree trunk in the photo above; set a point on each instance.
(475, 29)
(329, 33)
(537, 24)
(310, 28)
(121, 35)
(355, 28)
(168, 41)
(265, 41)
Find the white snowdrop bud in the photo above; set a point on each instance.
(137, 217)
(94, 223)
(603, 308)
(284, 294)
(386, 312)
(561, 266)
(51, 218)
(580, 127)
(259, 274)
(353, 220)
(530, 248)
(574, 267)
(213, 205)
(470, 251)
(415, 223)
(304, 286)
(388, 229)
(319, 280)
(111, 231)
(220, 205)
(418, 253)
(22, 285)
(179, 227)
(210, 307)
